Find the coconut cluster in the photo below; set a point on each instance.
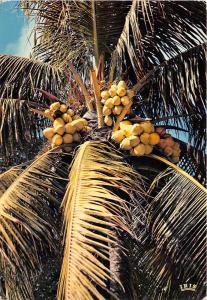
(114, 101)
(169, 146)
(139, 139)
(67, 126)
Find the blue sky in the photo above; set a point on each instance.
(15, 30)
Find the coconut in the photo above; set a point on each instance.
(130, 93)
(58, 121)
(67, 118)
(70, 112)
(144, 138)
(168, 150)
(134, 140)
(108, 121)
(69, 128)
(118, 136)
(116, 100)
(117, 110)
(76, 137)
(48, 112)
(139, 150)
(106, 111)
(162, 143)
(127, 130)
(147, 127)
(154, 138)
(63, 108)
(48, 132)
(76, 117)
(121, 91)
(55, 106)
(105, 95)
(148, 149)
(60, 129)
(124, 123)
(125, 144)
(125, 100)
(169, 141)
(79, 124)
(112, 91)
(67, 138)
(109, 103)
(136, 129)
(121, 84)
(57, 140)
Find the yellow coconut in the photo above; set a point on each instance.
(105, 95)
(108, 121)
(48, 133)
(58, 121)
(148, 149)
(106, 111)
(121, 91)
(48, 112)
(121, 84)
(76, 117)
(154, 138)
(76, 137)
(57, 140)
(147, 127)
(70, 112)
(112, 91)
(144, 138)
(130, 93)
(63, 108)
(109, 103)
(139, 150)
(118, 136)
(125, 100)
(128, 130)
(55, 106)
(116, 100)
(124, 123)
(78, 124)
(60, 129)
(67, 118)
(69, 128)
(67, 138)
(134, 140)
(117, 110)
(125, 144)
(136, 129)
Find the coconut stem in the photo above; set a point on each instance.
(78, 79)
(122, 115)
(97, 94)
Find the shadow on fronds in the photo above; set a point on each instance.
(95, 203)
(28, 212)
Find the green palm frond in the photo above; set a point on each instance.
(93, 206)
(19, 76)
(27, 221)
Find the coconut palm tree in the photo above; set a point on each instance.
(133, 227)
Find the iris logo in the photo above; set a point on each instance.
(188, 287)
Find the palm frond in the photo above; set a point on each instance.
(93, 206)
(63, 36)
(20, 76)
(19, 128)
(8, 177)
(27, 221)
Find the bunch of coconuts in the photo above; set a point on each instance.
(170, 147)
(66, 125)
(114, 101)
(138, 138)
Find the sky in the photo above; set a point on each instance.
(15, 30)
